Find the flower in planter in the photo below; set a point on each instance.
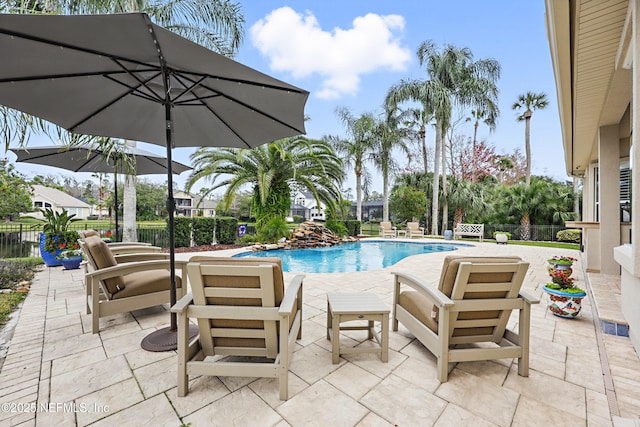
(69, 251)
(562, 279)
(565, 260)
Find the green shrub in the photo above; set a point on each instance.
(337, 227)
(247, 240)
(226, 230)
(203, 230)
(92, 217)
(571, 235)
(354, 227)
(182, 231)
(298, 219)
(274, 230)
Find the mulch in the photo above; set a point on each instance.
(206, 248)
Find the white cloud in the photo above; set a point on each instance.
(296, 43)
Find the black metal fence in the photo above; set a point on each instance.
(22, 240)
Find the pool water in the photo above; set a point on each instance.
(349, 257)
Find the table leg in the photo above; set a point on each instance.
(335, 350)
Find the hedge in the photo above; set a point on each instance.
(570, 235)
(203, 230)
(226, 230)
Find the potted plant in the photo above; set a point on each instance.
(562, 262)
(501, 236)
(56, 236)
(565, 298)
(71, 256)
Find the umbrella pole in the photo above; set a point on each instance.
(115, 197)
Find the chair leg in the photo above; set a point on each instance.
(523, 335)
(183, 350)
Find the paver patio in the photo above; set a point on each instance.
(58, 373)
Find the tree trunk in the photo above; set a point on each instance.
(129, 232)
(385, 195)
(457, 217)
(527, 144)
(436, 180)
(423, 136)
(474, 164)
(358, 195)
(445, 202)
(525, 227)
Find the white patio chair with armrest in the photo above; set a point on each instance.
(471, 305)
(126, 282)
(248, 322)
(386, 229)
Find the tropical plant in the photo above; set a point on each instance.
(389, 135)
(465, 196)
(454, 78)
(56, 230)
(272, 170)
(527, 202)
(529, 101)
(407, 203)
(355, 149)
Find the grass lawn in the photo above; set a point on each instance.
(8, 302)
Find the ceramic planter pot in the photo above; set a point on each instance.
(72, 262)
(48, 257)
(564, 304)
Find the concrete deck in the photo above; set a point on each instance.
(58, 373)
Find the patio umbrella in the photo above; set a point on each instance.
(96, 160)
(123, 76)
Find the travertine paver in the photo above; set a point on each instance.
(107, 379)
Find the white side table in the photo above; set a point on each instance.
(401, 233)
(345, 307)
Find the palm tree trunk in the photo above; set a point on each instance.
(436, 179)
(129, 233)
(423, 136)
(359, 196)
(527, 144)
(445, 202)
(525, 227)
(457, 217)
(385, 194)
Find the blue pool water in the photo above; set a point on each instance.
(356, 256)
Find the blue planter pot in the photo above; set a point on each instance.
(564, 304)
(71, 263)
(48, 257)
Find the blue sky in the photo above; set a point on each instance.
(348, 54)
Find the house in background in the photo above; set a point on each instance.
(193, 206)
(371, 209)
(305, 205)
(595, 50)
(47, 197)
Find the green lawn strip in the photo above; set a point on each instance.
(8, 302)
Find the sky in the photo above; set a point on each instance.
(349, 53)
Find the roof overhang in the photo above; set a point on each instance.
(589, 43)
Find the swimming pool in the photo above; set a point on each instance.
(349, 257)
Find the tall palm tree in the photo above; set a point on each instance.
(216, 24)
(527, 202)
(356, 148)
(466, 197)
(389, 135)
(271, 170)
(529, 101)
(454, 78)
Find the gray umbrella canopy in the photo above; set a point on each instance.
(106, 75)
(122, 76)
(96, 160)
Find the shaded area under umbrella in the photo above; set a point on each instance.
(85, 158)
(123, 76)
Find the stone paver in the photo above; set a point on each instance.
(58, 373)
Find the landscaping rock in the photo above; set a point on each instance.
(308, 235)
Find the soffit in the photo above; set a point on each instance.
(598, 26)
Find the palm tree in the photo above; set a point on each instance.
(454, 78)
(271, 170)
(529, 101)
(527, 202)
(388, 136)
(355, 150)
(465, 197)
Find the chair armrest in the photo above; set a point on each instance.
(127, 268)
(132, 249)
(182, 304)
(117, 244)
(529, 298)
(437, 297)
(137, 257)
(290, 295)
